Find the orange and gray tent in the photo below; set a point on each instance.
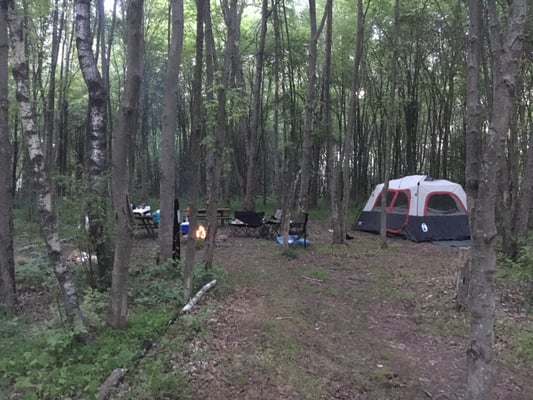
(420, 208)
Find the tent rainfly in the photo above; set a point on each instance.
(419, 208)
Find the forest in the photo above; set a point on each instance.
(284, 104)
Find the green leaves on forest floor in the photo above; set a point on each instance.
(43, 359)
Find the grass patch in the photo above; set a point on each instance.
(47, 361)
(50, 363)
(517, 339)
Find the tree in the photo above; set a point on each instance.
(97, 164)
(391, 125)
(340, 182)
(485, 155)
(305, 176)
(255, 115)
(7, 263)
(125, 128)
(45, 204)
(196, 138)
(167, 188)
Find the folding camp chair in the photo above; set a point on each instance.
(247, 223)
(273, 224)
(299, 229)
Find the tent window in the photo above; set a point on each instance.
(377, 204)
(443, 204)
(397, 202)
(401, 204)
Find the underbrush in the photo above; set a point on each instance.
(42, 357)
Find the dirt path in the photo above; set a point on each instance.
(349, 322)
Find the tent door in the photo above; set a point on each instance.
(397, 209)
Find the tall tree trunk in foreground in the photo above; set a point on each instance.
(167, 179)
(340, 184)
(307, 140)
(7, 263)
(391, 125)
(196, 138)
(97, 131)
(232, 18)
(49, 115)
(255, 115)
(482, 183)
(47, 216)
(125, 128)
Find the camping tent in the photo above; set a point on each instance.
(419, 208)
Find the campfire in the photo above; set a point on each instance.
(200, 233)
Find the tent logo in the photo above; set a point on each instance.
(424, 227)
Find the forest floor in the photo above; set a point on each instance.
(343, 322)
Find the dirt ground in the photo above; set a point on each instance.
(337, 322)
(340, 322)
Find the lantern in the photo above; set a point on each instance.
(200, 233)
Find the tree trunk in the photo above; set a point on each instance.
(252, 143)
(48, 218)
(7, 263)
(97, 140)
(49, 115)
(196, 138)
(524, 202)
(307, 139)
(391, 125)
(167, 179)
(340, 184)
(125, 128)
(483, 182)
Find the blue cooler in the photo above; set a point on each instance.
(184, 228)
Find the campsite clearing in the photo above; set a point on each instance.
(338, 322)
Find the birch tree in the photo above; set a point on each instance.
(97, 163)
(45, 204)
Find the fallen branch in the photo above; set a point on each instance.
(192, 302)
(113, 378)
(313, 279)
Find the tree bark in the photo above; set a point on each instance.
(125, 128)
(97, 138)
(252, 143)
(307, 139)
(7, 263)
(483, 178)
(391, 125)
(196, 138)
(167, 179)
(47, 215)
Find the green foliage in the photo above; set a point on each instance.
(519, 271)
(290, 252)
(518, 339)
(203, 276)
(50, 363)
(94, 305)
(158, 381)
(157, 292)
(36, 272)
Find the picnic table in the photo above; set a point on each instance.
(223, 214)
(144, 218)
(146, 221)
